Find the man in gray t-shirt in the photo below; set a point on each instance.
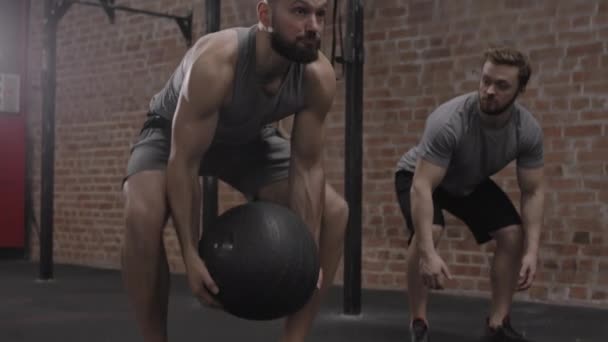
(466, 140)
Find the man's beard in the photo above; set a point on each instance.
(294, 52)
(485, 107)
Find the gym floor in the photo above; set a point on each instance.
(87, 304)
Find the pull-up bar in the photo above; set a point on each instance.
(184, 22)
(54, 10)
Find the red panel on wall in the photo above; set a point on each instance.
(12, 182)
(13, 45)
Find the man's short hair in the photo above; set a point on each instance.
(512, 57)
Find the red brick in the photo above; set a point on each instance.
(540, 292)
(596, 155)
(575, 37)
(546, 53)
(599, 295)
(373, 266)
(575, 196)
(581, 22)
(579, 292)
(436, 53)
(483, 285)
(581, 238)
(562, 90)
(377, 35)
(392, 12)
(420, 12)
(406, 68)
(593, 115)
(575, 7)
(589, 75)
(597, 88)
(582, 131)
(516, 4)
(558, 157)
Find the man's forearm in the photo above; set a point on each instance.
(307, 195)
(184, 199)
(422, 214)
(532, 205)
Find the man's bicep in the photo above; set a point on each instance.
(530, 179)
(308, 136)
(531, 154)
(437, 144)
(192, 132)
(196, 115)
(308, 133)
(428, 174)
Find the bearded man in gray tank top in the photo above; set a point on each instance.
(213, 117)
(465, 141)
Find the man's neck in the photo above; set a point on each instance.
(270, 66)
(496, 121)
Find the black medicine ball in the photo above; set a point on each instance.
(263, 259)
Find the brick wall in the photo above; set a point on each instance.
(419, 53)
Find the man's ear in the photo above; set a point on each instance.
(265, 16)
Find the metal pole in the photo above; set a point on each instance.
(48, 141)
(353, 155)
(184, 22)
(212, 15)
(210, 186)
(111, 6)
(29, 205)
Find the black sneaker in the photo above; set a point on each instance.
(503, 333)
(419, 331)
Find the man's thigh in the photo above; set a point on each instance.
(485, 210)
(403, 185)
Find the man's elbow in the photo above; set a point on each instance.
(179, 167)
(420, 190)
(315, 170)
(533, 190)
(308, 161)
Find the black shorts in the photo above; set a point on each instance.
(485, 210)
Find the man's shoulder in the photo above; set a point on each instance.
(210, 63)
(319, 80)
(455, 109)
(319, 71)
(526, 120)
(463, 102)
(220, 46)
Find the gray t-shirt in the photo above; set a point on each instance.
(454, 138)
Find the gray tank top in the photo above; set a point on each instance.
(250, 108)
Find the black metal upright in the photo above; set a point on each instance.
(210, 187)
(353, 177)
(212, 15)
(48, 140)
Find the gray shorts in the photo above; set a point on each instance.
(247, 168)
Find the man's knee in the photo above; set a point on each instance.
(145, 212)
(510, 239)
(336, 211)
(141, 220)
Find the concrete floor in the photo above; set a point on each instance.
(87, 304)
